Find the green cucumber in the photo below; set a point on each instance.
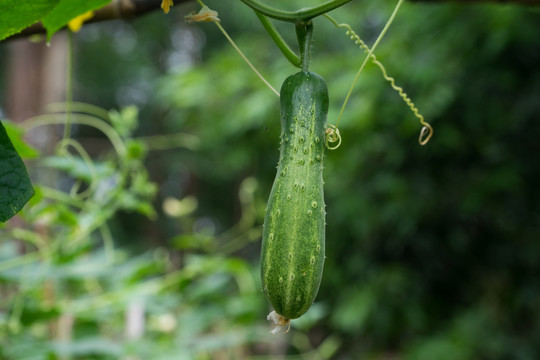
(292, 254)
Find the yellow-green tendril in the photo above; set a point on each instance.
(208, 15)
(62, 149)
(332, 136)
(379, 38)
(427, 131)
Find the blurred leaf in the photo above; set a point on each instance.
(125, 121)
(459, 340)
(88, 347)
(180, 208)
(32, 314)
(136, 149)
(315, 314)
(193, 241)
(77, 167)
(24, 346)
(355, 307)
(132, 202)
(142, 186)
(57, 213)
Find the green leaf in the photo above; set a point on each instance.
(66, 10)
(16, 135)
(125, 121)
(16, 15)
(77, 167)
(15, 186)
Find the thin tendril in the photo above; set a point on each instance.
(332, 136)
(379, 38)
(427, 131)
(240, 52)
(246, 59)
(69, 85)
(81, 119)
(108, 242)
(62, 147)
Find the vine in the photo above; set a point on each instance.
(298, 16)
(304, 28)
(208, 15)
(278, 39)
(427, 131)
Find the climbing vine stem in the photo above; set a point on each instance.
(379, 38)
(69, 85)
(209, 15)
(427, 130)
(304, 34)
(298, 16)
(278, 39)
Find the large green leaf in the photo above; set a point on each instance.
(15, 186)
(16, 135)
(66, 10)
(16, 15)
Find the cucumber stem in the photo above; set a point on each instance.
(280, 42)
(304, 34)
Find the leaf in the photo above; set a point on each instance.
(67, 10)
(125, 121)
(15, 186)
(77, 167)
(16, 135)
(16, 15)
(34, 313)
(91, 347)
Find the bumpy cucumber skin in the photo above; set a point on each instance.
(292, 252)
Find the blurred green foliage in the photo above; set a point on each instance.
(432, 252)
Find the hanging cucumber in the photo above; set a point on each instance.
(294, 225)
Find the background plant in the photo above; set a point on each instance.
(432, 251)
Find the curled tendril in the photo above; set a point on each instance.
(332, 136)
(427, 131)
(62, 149)
(425, 134)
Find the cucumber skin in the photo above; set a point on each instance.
(292, 254)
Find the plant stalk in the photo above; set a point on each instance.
(298, 16)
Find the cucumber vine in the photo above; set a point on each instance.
(298, 16)
(293, 238)
(304, 28)
(208, 15)
(427, 131)
(280, 42)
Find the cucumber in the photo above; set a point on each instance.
(292, 254)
